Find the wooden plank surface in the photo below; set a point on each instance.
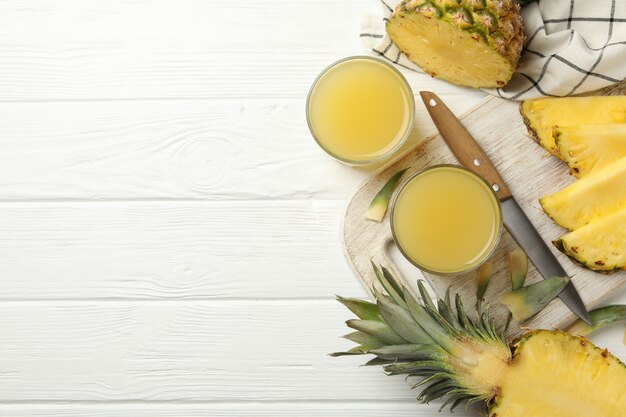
(207, 351)
(529, 173)
(165, 49)
(169, 234)
(185, 350)
(183, 149)
(372, 408)
(172, 250)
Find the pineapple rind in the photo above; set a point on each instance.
(378, 207)
(533, 129)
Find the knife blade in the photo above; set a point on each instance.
(471, 156)
(525, 234)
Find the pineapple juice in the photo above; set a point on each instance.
(360, 110)
(446, 220)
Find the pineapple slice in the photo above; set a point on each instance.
(587, 148)
(590, 198)
(472, 43)
(600, 245)
(542, 114)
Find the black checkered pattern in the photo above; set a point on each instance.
(572, 46)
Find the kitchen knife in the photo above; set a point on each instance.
(470, 155)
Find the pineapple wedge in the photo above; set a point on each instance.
(590, 198)
(600, 245)
(587, 148)
(542, 114)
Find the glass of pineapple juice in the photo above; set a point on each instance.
(360, 110)
(446, 220)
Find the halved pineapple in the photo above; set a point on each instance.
(563, 368)
(587, 148)
(542, 114)
(462, 359)
(474, 43)
(595, 196)
(600, 245)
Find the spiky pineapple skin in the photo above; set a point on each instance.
(496, 24)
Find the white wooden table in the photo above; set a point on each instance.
(169, 240)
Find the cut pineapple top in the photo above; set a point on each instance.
(601, 245)
(587, 148)
(595, 196)
(459, 358)
(542, 115)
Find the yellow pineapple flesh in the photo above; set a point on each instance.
(563, 369)
(600, 245)
(474, 43)
(597, 195)
(587, 148)
(542, 115)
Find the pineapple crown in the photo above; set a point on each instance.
(455, 358)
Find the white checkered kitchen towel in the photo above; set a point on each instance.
(572, 46)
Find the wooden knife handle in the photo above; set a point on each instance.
(464, 147)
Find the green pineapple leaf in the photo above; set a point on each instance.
(482, 282)
(600, 317)
(527, 301)
(361, 308)
(518, 268)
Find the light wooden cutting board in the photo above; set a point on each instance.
(529, 172)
